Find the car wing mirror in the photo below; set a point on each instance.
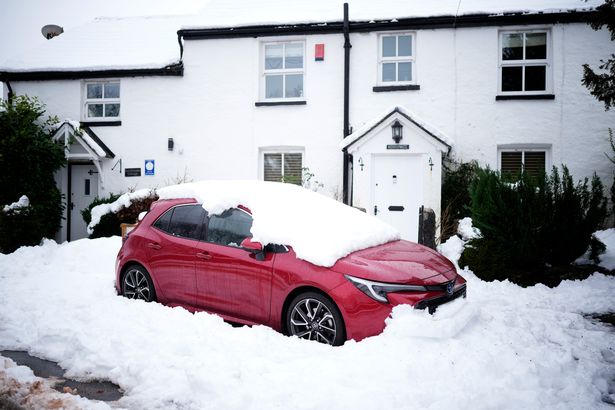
(254, 247)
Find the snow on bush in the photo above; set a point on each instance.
(123, 201)
(16, 207)
(531, 346)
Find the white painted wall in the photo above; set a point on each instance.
(220, 133)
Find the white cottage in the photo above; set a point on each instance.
(369, 102)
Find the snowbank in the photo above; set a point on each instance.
(320, 230)
(607, 237)
(532, 346)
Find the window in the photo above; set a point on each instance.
(102, 100)
(283, 167)
(396, 59)
(524, 62)
(183, 221)
(283, 70)
(230, 228)
(513, 161)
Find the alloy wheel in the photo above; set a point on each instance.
(137, 286)
(310, 319)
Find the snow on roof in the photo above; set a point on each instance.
(87, 136)
(369, 125)
(238, 13)
(106, 43)
(319, 229)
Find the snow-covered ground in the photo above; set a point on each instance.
(503, 347)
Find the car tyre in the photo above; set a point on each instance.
(137, 284)
(313, 316)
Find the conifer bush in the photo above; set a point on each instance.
(28, 160)
(531, 224)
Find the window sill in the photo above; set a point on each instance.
(272, 103)
(386, 88)
(102, 123)
(525, 97)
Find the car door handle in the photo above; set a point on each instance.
(154, 245)
(203, 255)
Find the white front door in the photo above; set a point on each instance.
(398, 192)
(83, 190)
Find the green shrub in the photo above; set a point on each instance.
(110, 224)
(531, 224)
(456, 179)
(28, 160)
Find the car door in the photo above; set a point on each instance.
(172, 253)
(229, 279)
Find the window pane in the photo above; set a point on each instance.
(230, 228)
(186, 221)
(273, 56)
(388, 72)
(273, 86)
(404, 71)
(534, 163)
(535, 78)
(535, 46)
(292, 168)
(95, 110)
(112, 90)
(512, 46)
(511, 78)
(294, 55)
(404, 45)
(163, 222)
(294, 85)
(112, 110)
(94, 90)
(388, 46)
(273, 167)
(511, 165)
(86, 188)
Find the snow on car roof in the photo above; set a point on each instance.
(319, 229)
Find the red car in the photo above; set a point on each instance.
(178, 255)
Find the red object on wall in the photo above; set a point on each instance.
(319, 52)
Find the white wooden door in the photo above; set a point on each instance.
(398, 192)
(83, 190)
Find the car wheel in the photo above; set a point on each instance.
(312, 316)
(137, 284)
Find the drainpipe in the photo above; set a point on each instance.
(10, 93)
(347, 47)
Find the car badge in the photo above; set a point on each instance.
(449, 288)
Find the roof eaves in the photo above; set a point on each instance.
(97, 140)
(176, 69)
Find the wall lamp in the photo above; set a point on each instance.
(397, 130)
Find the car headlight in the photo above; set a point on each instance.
(379, 290)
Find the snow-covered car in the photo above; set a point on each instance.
(282, 256)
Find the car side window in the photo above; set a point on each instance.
(183, 221)
(229, 228)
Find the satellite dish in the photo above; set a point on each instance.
(51, 30)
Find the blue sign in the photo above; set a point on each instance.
(150, 167)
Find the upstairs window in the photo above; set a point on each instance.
(283, 70)
(102, 100)
(396, 59)
(283, 167)
(524, 62)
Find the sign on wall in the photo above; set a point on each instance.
(150, 167)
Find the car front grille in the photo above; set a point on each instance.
(433, 303)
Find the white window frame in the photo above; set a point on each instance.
(525, 63)
(103, 101)
(281, 71)
(523, 148)
(280, 150)
(403, 59)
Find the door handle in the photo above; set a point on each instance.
(375, 209)
(203, 255)
(154, 245)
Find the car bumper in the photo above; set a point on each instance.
(365, 317)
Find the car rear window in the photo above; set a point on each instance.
(184, 221)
